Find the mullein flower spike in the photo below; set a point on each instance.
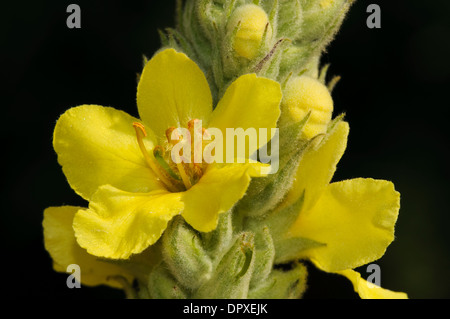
(165, 222)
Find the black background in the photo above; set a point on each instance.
(394, 90)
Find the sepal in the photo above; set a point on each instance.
(219, 240)
(184, 254)
(263, 194)
(232, 277)
(282, 284)
(264, 257)
(162, 285)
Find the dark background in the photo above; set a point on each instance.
(394, 90)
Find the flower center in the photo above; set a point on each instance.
(178, 163)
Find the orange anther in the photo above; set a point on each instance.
(205, 133)
(173, 132)
(192, 123)
(139, 126)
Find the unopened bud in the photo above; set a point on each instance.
(304, 94)
(322, 18)
(252, 23)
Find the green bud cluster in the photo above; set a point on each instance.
(197, 265)
(249, 254)
(272, 38)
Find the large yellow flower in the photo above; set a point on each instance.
(120, 165)
(352, 221)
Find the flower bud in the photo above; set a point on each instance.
(290, 19)
(321, 17)
(250, 21)
(304, 94)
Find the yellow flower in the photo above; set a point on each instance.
(353, 220)
(121, 166)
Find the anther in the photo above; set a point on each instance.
(192, 123)
(205, 133)
(172, 132)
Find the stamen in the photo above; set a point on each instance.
(169, 135)
(180, 158)
(140, 134)
(184, 176)
(191, 124)
(196, 131)
(206, 139)
(205, 133)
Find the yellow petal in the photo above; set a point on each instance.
(355, 220)
(367, 290)
(59, 239)
(216, 192)
(172, 90)
(250, 102)
(119, 224)
(317, 166)
(96, 146)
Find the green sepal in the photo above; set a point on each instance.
(323, 74)
(180, 43)
(281, 219)
(322, 21)
(189, 27)
(269, 65)
(282, 284)
(232, 276)
(334, 122)
(318, 29)
(263, 194)
(219, 240)
(298, 57)
(139, 265)
(273, 16)
(162, 285)
(208, 14)
(264, 257)
(290, 19)
(322, 78)
(184, 254)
